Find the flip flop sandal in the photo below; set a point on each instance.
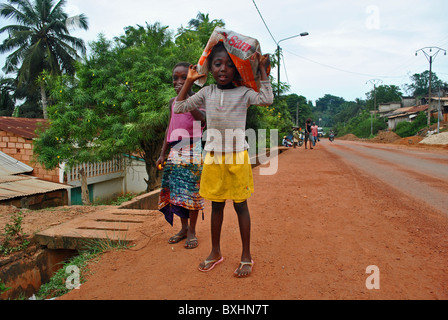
(191, 244)
(207, 262)
(242, 264)
(176, 239)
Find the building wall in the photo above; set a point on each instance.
(394, 121)
(135, 176)
(39, 201)
(22, 150)
(387, 107)
(108, 189)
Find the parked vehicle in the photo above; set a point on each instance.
(320, 132)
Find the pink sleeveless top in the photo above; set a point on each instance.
(183, 125)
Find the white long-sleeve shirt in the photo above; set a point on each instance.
(226, 113)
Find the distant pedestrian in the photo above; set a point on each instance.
(314, 133)
(295, 136)
(308, 135)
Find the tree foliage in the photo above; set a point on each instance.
(7, 96)
(117, 103)
(407, 129)
(40, 40)
(361, 125)
(384, 94)
(419, 87)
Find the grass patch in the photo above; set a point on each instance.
(115, 201)
(75, 270)
(13, 237)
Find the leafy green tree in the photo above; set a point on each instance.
(326, 107)
(299, 103)
(349, 109)
(41, 41)
(118, 103)
(274, 117)
(419, 87)
(201, 28)
(384, 94)
(360, 126)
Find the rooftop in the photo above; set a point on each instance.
(22, 127)
(10, 166)
(14, 183)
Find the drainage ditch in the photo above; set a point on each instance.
(25, 272)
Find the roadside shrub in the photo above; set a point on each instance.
(407, 129)
(363, 129)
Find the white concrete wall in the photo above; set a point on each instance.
(135, 175)
(108, 189)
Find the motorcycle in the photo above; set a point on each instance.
(331, 137)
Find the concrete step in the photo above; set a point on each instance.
(112, 224)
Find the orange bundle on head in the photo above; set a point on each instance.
(242, 51)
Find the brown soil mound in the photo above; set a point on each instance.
(409, 140)
(350, 137)
(386, 137)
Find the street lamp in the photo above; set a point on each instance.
(303, 34)
(431, 57)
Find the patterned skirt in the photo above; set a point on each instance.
(181, 181)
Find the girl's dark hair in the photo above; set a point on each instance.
(217, 48)
(182, 64)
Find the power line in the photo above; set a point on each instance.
(286, 72)
(322, 64)
(261, 16)
(342, 70)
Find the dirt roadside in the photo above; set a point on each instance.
(316, 226)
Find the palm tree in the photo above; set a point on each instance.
(204, 26)
(7, 96)
(41, 41)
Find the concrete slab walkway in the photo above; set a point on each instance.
(111, 224)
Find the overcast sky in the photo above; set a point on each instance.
(350, 41)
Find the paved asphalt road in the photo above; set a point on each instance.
(420, 173)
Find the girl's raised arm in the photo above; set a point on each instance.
(192, 76)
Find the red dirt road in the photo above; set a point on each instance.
(316, 226)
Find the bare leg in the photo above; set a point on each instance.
(182, 234)
(216, 226)
(192, 241)
(245, 226)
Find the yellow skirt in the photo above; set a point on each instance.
(227, 177)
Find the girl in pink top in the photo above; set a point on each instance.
(182, 167)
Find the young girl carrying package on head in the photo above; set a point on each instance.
(182, 170)
(227, 172)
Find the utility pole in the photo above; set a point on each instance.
(430, 56)
(438, 113)
(303, 34)
(374, 82)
